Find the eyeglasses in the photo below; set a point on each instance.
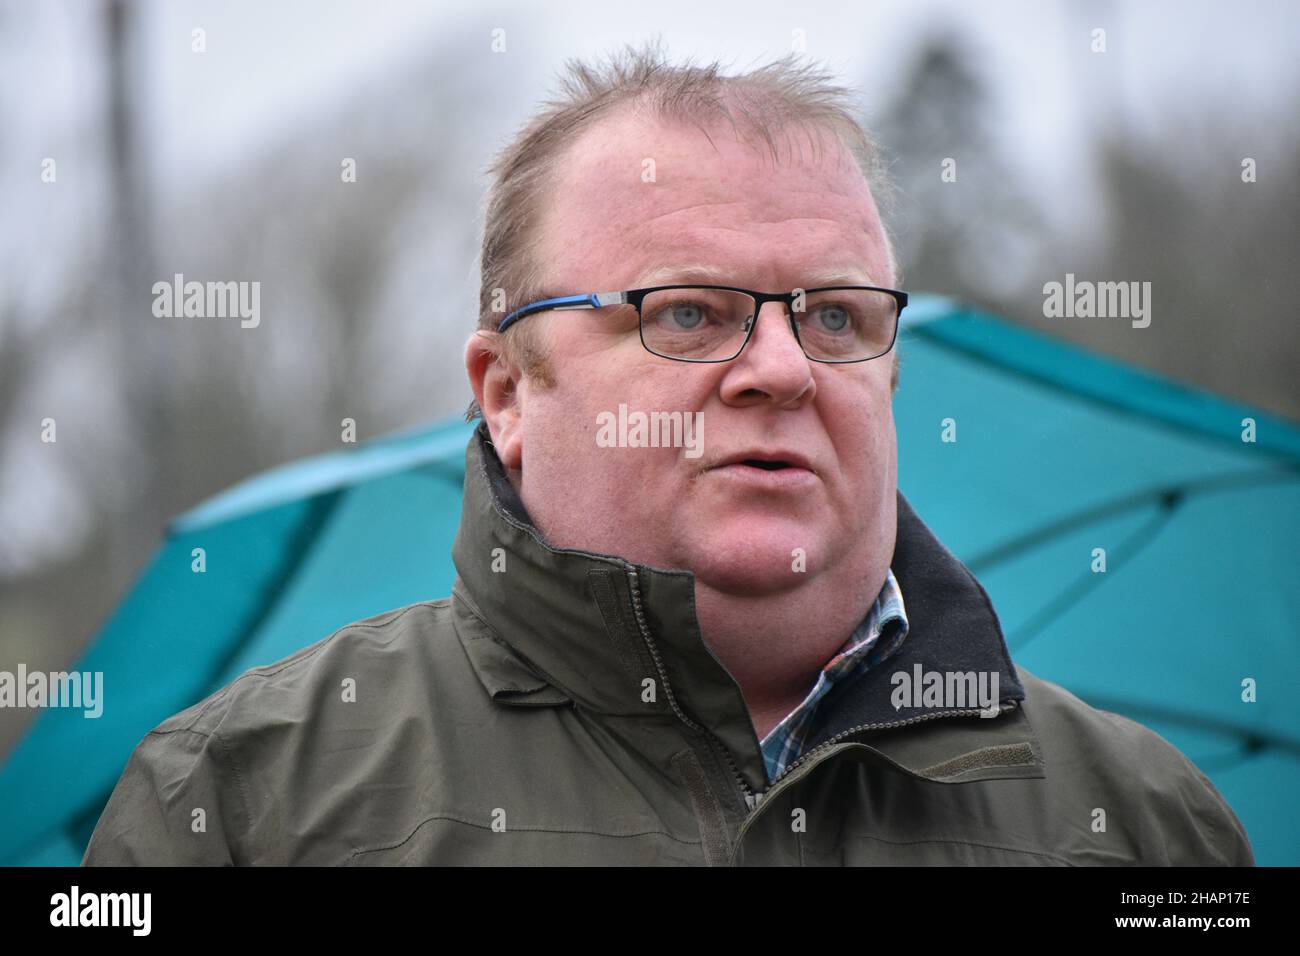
(713, 323)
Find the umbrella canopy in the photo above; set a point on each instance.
(1033, 460)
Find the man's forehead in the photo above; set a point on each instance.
(644, 201)
(851, 273)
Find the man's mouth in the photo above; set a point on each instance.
(765, 464)
(766, 459)
(781, 470)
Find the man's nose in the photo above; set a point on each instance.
(772, 361)
(774, 333)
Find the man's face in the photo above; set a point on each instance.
(757, 225)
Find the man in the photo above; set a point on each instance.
(694, 619)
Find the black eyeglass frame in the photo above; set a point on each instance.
(634, 297)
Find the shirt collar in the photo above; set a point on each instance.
(864, 649)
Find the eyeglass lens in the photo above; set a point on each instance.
(703, 324)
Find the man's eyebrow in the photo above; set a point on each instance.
(674, 275)
(849, 276)
(677, 274)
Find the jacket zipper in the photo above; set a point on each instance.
(757, 799)
(802, 758)
(746, 792)
(752, 798)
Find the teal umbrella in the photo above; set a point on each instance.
(1033, 460)
(287, 557)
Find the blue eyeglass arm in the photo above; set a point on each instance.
(592, 300)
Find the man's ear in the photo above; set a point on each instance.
(496, 388)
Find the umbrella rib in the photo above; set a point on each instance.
(312, 525)
(1167, 496)
(1222, 763)
(1254, 739)
(1050, 612)
(455, 474)
(934, 334)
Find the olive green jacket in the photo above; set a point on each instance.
(560, 707)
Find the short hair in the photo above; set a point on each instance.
(783, 93)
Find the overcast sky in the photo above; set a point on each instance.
(266, 61)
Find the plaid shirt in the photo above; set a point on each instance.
(862, 651)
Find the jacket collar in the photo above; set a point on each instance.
(621, 638)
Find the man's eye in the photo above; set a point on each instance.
(683, 315)
(833, 318)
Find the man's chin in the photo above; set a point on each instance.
(756, 557)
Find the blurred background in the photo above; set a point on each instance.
(224, 163)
